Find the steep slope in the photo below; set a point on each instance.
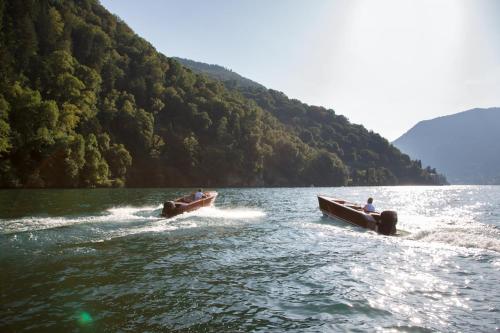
(371, 159)
(86, 102)
(465, 146)
(230, 78)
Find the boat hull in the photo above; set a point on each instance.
(384, 223)
(179, 206)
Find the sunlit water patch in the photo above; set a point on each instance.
(259, 260)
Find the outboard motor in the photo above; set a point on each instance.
(168, 208)
(388, 221)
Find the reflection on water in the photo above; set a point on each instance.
(260, 260)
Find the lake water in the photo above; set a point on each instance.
(260, 260)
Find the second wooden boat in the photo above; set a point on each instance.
(383, 223)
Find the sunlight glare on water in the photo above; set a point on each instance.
(259, 260)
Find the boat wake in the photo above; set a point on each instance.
(478, 237)
(228, 213)
(206, 216)
(115, 214)
(126, 220)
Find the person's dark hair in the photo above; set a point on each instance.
(370, 200)
(200, 190)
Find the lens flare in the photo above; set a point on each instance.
(84, 318)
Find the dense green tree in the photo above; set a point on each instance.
(5, 144)
(84, 101)
(119, 160)
(325, 168)
(95, 170)
(74, 160)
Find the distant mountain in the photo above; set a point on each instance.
(464, 146)
(220, 73)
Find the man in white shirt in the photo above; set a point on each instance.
(369, 207)
(198, 195)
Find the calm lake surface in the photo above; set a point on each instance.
(260, 260)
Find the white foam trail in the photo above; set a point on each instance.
(184, 221)
(220, 213)
(129, 214)
(231, 213)
(115, 214)
(131, 211)
(478, 237)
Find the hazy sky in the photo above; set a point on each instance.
(386, 64)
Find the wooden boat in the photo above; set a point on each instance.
(187, 204)
(383, 223)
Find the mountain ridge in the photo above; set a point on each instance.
(461, 145)
(220, 73)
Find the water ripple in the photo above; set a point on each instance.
(253, 263)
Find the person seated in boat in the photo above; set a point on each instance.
(198, 195)
(369, 207)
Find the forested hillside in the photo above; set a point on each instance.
(370, 158)
(86, 102)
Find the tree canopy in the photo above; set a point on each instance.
(85, 102)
